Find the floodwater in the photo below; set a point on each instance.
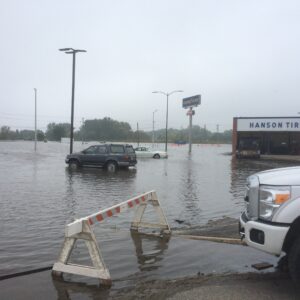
(39, 196)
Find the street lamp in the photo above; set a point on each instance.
(73, 52)
(35, 133)
(153, 127)
(167, 94)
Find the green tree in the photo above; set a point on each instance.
(56, 131)
(105, 129)
(6, 133)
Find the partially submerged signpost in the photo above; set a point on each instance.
(191, 102)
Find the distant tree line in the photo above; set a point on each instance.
(55, 131)
(107, 129)
(200, 135)
(7, 134)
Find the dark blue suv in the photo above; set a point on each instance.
(109, 156)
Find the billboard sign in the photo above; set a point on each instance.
(191, 101)
(268, 124)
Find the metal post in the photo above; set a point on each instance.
(153, 139)
(35, 105)
(153, 130)
(73, 52)
(166, 145)
(138, 135)
(72, 104)
(190, 130)
(167, 94)
(82, 129)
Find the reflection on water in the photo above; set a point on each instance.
(149, 250)
(69, 290)
(148, 259)
(39, 195)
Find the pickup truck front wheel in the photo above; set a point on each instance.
(294, 261)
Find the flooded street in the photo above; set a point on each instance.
(39, 196)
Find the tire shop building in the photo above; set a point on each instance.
(272, 135)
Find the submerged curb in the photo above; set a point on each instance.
(212, 239)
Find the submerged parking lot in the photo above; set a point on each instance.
(39, 196)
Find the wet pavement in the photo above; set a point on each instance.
(142, 258)
(236, 287)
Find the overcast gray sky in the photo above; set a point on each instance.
(243, 57)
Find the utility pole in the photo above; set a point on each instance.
(35, 105)
(73, 52)
(82, 129)
(167, 112)
(153, 127)
(138, 134)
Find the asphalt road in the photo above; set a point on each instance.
(268, 286)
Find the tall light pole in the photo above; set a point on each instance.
(35, 133)
(153, 126)
(167, 94)
(73, 52)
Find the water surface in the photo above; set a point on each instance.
(39, 196)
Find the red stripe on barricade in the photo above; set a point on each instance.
(118, 210)
(137, 201)
(143, 198)
(109, 213)
(90, 221)
(130, 204)
(99, 218)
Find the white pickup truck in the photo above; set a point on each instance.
(271, 221)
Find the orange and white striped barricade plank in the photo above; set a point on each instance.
(81, 229)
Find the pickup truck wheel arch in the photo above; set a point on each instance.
(291, 236)
(294, 261)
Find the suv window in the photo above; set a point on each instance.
(130, 150)
(91, 150)
(102, 149)
(117, 149)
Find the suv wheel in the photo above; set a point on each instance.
(157, 156)
(294, 261)
(111, 166)
(73, 165)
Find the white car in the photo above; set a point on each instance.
(145, 152)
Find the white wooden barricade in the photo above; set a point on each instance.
(81, 230)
